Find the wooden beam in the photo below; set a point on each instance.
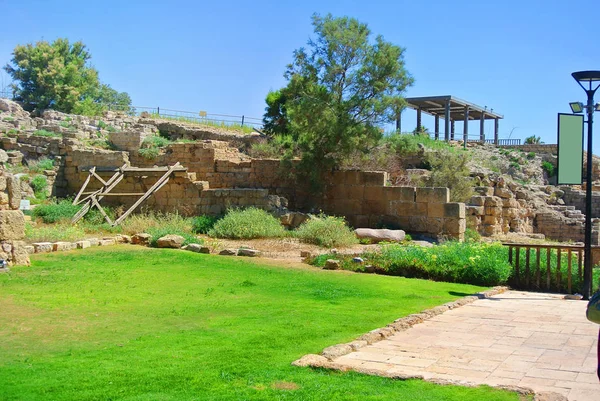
(87, 180)
(95, 202)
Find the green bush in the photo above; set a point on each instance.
(39, 184)
(548, 168)
(101, 124)
(149, 153)
(471, 263)
(43, 132)
(450, 169)
(55, 212)
(203, 224)
(472, 235)
(247, 224)
(326, 231)
(531, 155)
(40, 165)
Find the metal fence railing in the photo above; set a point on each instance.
(470, 138)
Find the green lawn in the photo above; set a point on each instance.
(125, 323)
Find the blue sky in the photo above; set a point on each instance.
(223, 57)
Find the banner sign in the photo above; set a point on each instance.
(570, 149)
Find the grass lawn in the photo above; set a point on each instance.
(125, 323)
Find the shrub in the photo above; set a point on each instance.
(450, 169)
(548, 168)
(469, 263)
(203, 224)
(59, 232)
(40, 165)
(275, 147)
(326, 231)
(101, 124)
(531, 155)
(247, 224)
(149, 153)
(39, 184)
(56, 212)
(472, 235)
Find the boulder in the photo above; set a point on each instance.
(378, 235)
(42, 247)
(12, 225)
(228, 252)
(170, 241)
(197, 248)
(3, 156)
(141, 239)
(62, 246)
(332, 264)
(293, 219)
(248, 252)
(13, 185)
(83, 244)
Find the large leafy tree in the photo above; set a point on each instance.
(341, 90)
(58, 75)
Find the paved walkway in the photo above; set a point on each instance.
(533, 340)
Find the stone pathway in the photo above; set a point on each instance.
(532, 340)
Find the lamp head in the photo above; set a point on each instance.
(576, 107)
(586, 76)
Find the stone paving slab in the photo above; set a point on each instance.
(532, 340)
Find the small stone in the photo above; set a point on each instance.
(197, 248)
(106, 242)
(332, 264)
(311, 360)
(248, 252)
(170, 241)
(228, 252)
(358, 260)
(305, 254)
(576, 297)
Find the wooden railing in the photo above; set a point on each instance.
(544, 268)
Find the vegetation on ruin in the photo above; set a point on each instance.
(230, 126)
(449, 169)
(43, 132)
(247, 223)
(59, 76)
(326, 231)
(340, 90)
(166, 324)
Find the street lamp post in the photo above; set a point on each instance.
(587, 80)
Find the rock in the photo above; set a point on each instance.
(62, 246)
(503, 193)
(336, 351)
(312, 360)
(170, 241)
(12, 225)
(197, 248)
(83, 244)
(20, 254)
(42, 247)
(3, 156)
(228, 252)
(305, 254)
(94, 241)
(378, 235)
(141, 239)
(576, 297)
(248, 252)
(106, 242)
(29, 249)
(332, 264)
(549, 396)
(122, 239)
(358, 260)
(13, 185)
(293, 219)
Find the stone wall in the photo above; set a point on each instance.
(575, 197)
(535, 148)
(12, 221)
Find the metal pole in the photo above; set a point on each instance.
(242, 121)
(587, 268)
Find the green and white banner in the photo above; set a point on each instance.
(570, 149)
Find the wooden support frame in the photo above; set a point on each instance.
(93, 198)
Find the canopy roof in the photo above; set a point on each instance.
(436, 105)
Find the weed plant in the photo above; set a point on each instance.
(40, 165)
(43, 132)
(39, 184)
(326, 231)
(203, 224)
(53, 233)
(247, 224)
(217, 124)
(55, 212)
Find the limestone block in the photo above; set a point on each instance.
(418, 223)
(248, 252)
(228, 252)
(474, 210)
(434, 225)
(455, 226)
(2, 183)
(332, 264)
(510, 203)
(404, 209)
(12, 225)
(378, 235)
(503, 193)
(83, 244)
(374, 193)
(477, 201)
(484, 191)
(404, 194)
(493, 201)
(433, 195)
(14, 192)
(42, 247)
(490, 220)
(20, 254)
(170, 241)
(436, 210)
(106, 242)
(373, 178)
(455, 210)
(197, 248)
(62, 246)
(29, 249)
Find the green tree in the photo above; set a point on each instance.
(58, 75)
(275, 119)
(341, 90)
(533, 140)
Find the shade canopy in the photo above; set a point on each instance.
(436, 106)
(586, 76)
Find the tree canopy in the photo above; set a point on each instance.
(58, 75)
(341, 91)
